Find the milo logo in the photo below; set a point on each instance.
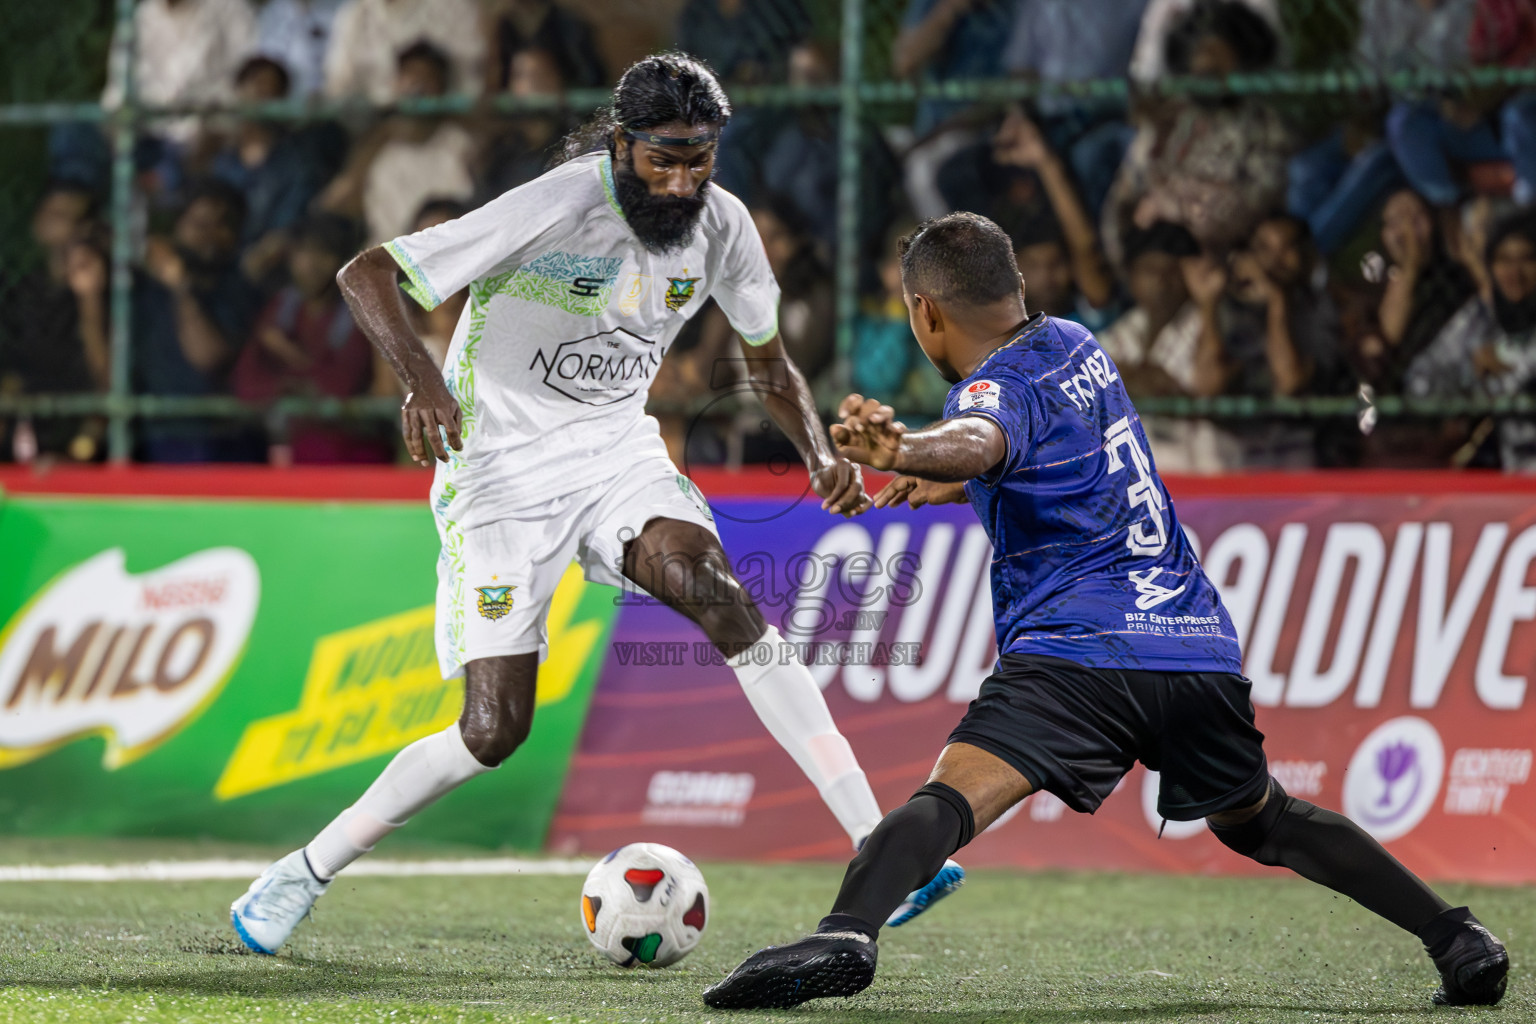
(131, 657)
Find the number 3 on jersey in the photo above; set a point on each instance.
(1143, 490)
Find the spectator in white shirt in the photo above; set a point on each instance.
(296, 34)
(368, 35)
(1159, 348)
(406, 159)
(185, 51)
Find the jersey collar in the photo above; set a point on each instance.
(1031, 326)
(605, 171)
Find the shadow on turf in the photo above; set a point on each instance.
(332, 981)
(1162, 1012)
(302, 977)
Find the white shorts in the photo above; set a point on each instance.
(495, 581)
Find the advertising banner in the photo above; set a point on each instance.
(244, 669)
(1389, 636)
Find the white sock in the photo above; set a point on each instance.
(785, 696)
(417, 776)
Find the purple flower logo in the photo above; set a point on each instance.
(1393, 763)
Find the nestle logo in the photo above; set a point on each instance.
(188, 593)
(698, 798)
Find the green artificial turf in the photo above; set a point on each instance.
(1009, 947)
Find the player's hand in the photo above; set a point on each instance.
(432, 411)
(840, 486)
(869, 433)
(917, 492)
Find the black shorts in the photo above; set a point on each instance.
(1075, 732)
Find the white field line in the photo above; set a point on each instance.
(203, 870)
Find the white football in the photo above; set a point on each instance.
(644, 904)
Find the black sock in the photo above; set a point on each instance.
(1331, 850)
(903, 853)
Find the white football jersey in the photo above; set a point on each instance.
(568, 319)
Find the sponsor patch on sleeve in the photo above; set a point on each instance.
(980, 394)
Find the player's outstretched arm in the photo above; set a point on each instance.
(781, 387)
(948, 451)
(867, 422)
(368, 284)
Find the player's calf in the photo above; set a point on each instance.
(907, 850)
(792, 708)
(948, 880)
(1328, 848)
(683, 565)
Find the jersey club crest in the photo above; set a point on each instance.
(494, 602)
(680, 291)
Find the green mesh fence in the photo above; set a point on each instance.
(880, 98)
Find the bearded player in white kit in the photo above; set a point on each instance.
(579, 281)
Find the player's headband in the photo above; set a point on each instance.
(669, 140)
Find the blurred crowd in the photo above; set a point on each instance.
(1219, 242)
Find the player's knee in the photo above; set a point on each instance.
(713, 598)
(686, 572)
(498, 705)
(732, 624)
(493, 739)
(1247, 830)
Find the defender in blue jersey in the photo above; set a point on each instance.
(1113, 645)
(1090, 563)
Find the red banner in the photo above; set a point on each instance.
(1387, 625)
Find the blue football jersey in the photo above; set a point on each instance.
(1089, 562)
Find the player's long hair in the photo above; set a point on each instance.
(656, 90)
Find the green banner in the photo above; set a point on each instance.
(243, 670)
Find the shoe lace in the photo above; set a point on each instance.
(290, 898)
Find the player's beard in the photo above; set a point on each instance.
(664, 224)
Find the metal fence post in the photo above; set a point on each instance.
(849, 126)
(119, 437)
